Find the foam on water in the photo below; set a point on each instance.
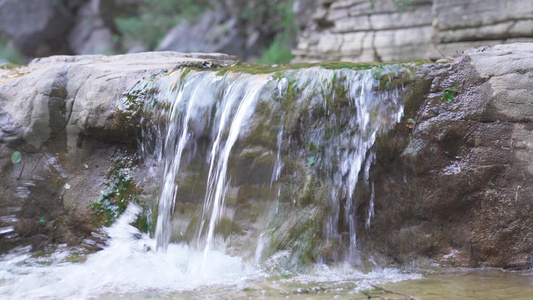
(126, 265)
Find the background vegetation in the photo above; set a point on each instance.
(274, 20)
(8, 53)
(147, 23)
(156, 17)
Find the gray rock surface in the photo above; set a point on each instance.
(90, 35)
(357, 30)
(97, 80)
(455, 188)
(69, 117)
(215, 31)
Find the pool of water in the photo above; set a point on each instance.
(129, 268)
(440, 284)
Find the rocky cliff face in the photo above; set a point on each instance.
(453, 184)
(361, 30)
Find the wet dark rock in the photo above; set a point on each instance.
(462, 182)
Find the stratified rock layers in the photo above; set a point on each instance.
(363, 30)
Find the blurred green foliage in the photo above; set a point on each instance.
(400, 4)
(156, 17)
(279, 51)
(9, 53)
(274, 20)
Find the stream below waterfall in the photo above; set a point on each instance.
(251, 183)
(127, 269)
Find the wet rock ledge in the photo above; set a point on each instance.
(455, 189)
(67, 117)
(458, 187)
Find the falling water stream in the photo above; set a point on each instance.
(212, 149)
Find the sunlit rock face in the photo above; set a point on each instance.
(358, 30)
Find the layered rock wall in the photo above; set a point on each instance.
(384, 30)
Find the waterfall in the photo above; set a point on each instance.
(203, 127)
(250, 176)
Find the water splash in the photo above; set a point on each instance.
(198, 125)
(210, 113)
(126, 265)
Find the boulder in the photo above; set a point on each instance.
(451, 187)
(90, 35)
(72, 122)
(458, 187)
(36, 27)
(214, 31)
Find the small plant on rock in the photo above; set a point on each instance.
(449, 94)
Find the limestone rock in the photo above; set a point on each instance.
(68, 117)
(421, 29)
(52, 89)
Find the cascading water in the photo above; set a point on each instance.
(215, 112)
(233, 160)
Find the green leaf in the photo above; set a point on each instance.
(311, 161)
(42, 221)
(16, 157)
(447, 95)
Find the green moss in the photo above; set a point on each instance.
(278, 69)
(419, 86)
(115, 199)
(145, 220)
(254, 68)
(10, 66)
(306, 238)
(184, 73)
(76, 258)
